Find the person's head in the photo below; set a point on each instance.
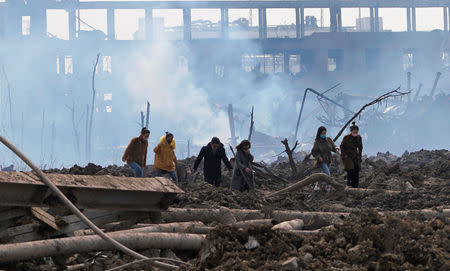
(215, 143)
(354, 129)
(321, 132)
(145, 133)
(245, 146)
(169, 137)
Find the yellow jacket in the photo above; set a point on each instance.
(165, 158)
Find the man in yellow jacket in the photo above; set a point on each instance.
(165, 159)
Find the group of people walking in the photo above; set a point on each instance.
(350, 151)
(135, 155)
(214, 155)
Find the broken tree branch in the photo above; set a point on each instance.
(319, 95)
(144, 261)
(251, 126)
(147, 119)
(289, 152)
(390, 94)
(92, 107)
(269, 172)
(307, 181)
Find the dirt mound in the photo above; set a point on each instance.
(202, 194)
(365, 241)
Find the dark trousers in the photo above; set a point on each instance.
(353, 176)
(213, 180)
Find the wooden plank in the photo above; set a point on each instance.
(99, 218)
(11, 233)
(45, 217)
(28, 232)
(10, 213)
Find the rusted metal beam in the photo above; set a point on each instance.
(89, 192)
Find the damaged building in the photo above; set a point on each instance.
(365, 58)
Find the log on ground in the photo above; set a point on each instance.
(82, 244)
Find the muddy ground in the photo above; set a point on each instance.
(365, 241)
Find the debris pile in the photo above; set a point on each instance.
(396, 220)
(365, 241)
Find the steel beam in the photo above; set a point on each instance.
(333, 19)
(302, 22)
(377, 20)
(408, 19)
(339, 19)
(372, 21)
(262, 23)
(38, 23)
(89, 192)
(224, 21)
(110, 20)
(413, 19)
(187, 29)
(148, 23)
(445, 18)
(298, 33)
(72, 23)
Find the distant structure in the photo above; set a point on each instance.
(303, 50)
(364, 24)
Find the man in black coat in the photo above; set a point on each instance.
(214, 154)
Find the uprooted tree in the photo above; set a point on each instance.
(294, 166)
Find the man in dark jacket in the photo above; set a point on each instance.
(214, 154)
(135, 154)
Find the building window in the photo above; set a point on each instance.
(68, 65)
(108, 109)
(408, 60)
(107, 97)
(335, 60)
(220, 70)
(58, 65)
(332, 66)
(26, 22)
(446, 59)
(294, 64)
(107, 64)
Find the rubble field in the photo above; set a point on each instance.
(371, 236)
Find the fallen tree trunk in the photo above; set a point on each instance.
(255, 222)
(311, 219)
(296, 224)
(362, 191)
(82, 244)
(325, 178)
(196, 227)
(307, 181)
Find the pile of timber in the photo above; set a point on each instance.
(32, 227)
(185, 229)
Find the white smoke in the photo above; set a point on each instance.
(176, 104)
